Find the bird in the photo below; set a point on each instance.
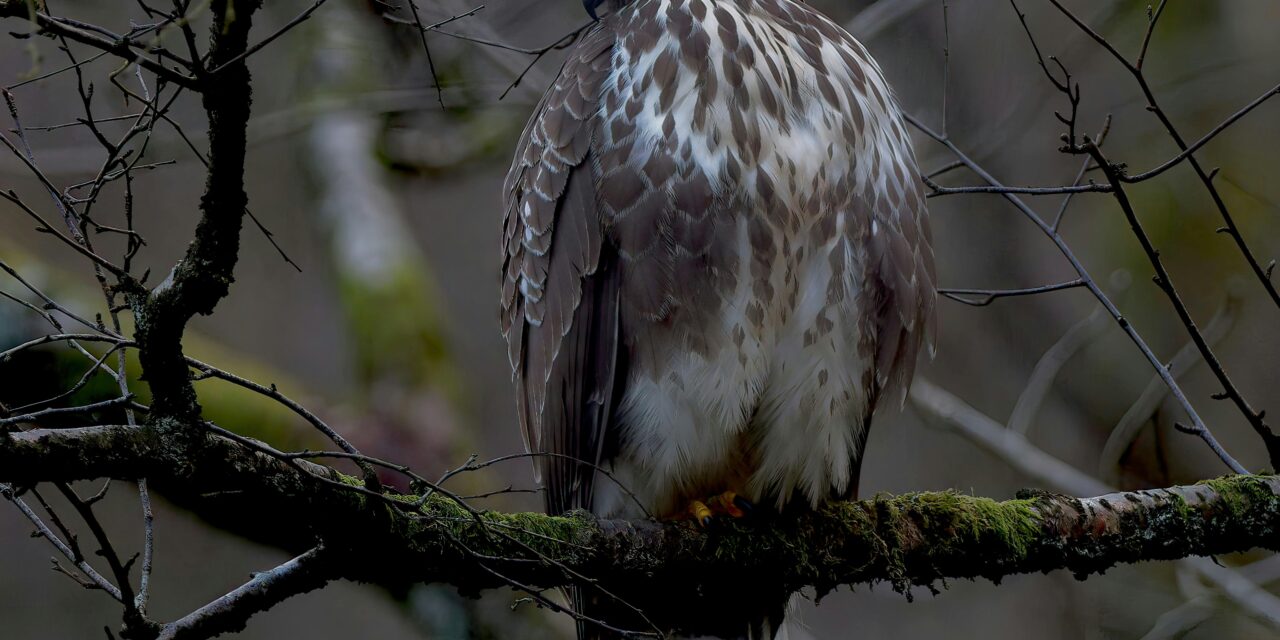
(716, 265)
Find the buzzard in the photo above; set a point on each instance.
(716, 263)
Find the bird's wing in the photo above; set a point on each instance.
(903, 283)
(560, 287)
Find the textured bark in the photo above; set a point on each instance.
(911, 539)
(232, 611)
(674, 572)
(204, 275)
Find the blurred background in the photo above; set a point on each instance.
(390, 206)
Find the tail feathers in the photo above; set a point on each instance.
(785, 625)
(793, 627)
(697, 621)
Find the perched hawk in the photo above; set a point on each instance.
(716, 263)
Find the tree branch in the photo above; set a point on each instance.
(912, 539)
(204, 275)
(1165, 282)
(229, 613)
(1033, 462)
(120, 46)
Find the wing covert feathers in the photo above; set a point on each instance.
(558, 305)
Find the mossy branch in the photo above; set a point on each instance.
(203, 277)
(911, 539)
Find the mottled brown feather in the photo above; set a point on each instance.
(559, 297)
(680, 263)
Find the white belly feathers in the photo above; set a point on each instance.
(776, 409)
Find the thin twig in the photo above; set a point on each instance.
(148, 547)
(371, 476)
(116, 45)
(65, 411)
(1093, 287)
(1149, 400)
(289, 26)
(1165, 282)
(63, 337)
(1262, 274)
(987, 296)
(92, 574)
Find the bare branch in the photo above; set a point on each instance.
(984, 297)
(1206, 178)
(86, 410)
(92, 574)
(370, 476)
(148, 548)
(229, 613)
(62, 337)
(119, 46)
(1155, 392)
(1188, 150)
(1093, 287)
(1164, 281)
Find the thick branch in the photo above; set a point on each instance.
(204, 275)
(910, 539)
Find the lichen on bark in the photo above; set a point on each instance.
(904, 540)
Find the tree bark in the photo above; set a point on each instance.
(905, 540)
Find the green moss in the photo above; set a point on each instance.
(908, 540)
(397, 328)
(1011, 522)
(1240, 494)
(912, 539)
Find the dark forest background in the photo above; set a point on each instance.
(390, 205)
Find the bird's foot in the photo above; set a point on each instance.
(728, 504)
(700, 512)
(731, 504)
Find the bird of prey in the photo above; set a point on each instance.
(716, 263)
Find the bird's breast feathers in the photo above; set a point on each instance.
(752, 89)
(756, 365)
(747, 223)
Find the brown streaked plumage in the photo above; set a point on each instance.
(717, 259)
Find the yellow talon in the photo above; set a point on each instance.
(700, 512)
(727, 503)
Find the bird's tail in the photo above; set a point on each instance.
(782, 625)
(712, 619)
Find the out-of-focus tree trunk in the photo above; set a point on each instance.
(407, 382)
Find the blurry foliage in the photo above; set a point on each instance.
(45, 372)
